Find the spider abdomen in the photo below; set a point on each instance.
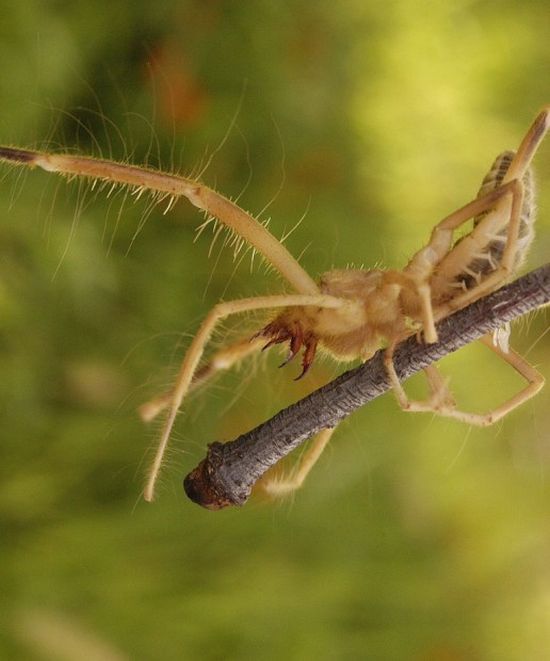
(491, 257)
(476, 255)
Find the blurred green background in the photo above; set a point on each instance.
(414, 537)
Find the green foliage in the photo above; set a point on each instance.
(414, 538)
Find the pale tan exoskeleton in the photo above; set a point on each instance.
(349, 313)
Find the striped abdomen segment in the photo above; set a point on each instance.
(483, 264)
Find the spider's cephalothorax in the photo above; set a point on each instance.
(354, 331)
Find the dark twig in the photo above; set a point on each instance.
(227, 474)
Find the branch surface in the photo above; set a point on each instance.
(228, 472)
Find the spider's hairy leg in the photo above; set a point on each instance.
(475, 242)
(442, 403)
(282, 486)
(518, 177)
(195, 351)
(223, 359)
(529, 145)
(533, 377)
(440, 395)
(450, 261)
(421, 293)
(173, 186)
(421, 267)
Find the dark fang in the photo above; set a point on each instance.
(309, 355)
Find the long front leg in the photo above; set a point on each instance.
(195, 351)
(164, 185)
(221, 360)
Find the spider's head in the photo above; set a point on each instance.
(355, 330)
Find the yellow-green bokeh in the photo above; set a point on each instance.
(414, 538)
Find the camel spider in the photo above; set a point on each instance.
(349, 313)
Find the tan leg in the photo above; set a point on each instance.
(451, 259)
(440, 395)
(283, 485)
(223, 359)
(533, 377)
(499, 218)
(415, 277)
(529, 145)
(165, 186)
(422, 294)
(442, 403)
(195, 351)
(505, 267)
